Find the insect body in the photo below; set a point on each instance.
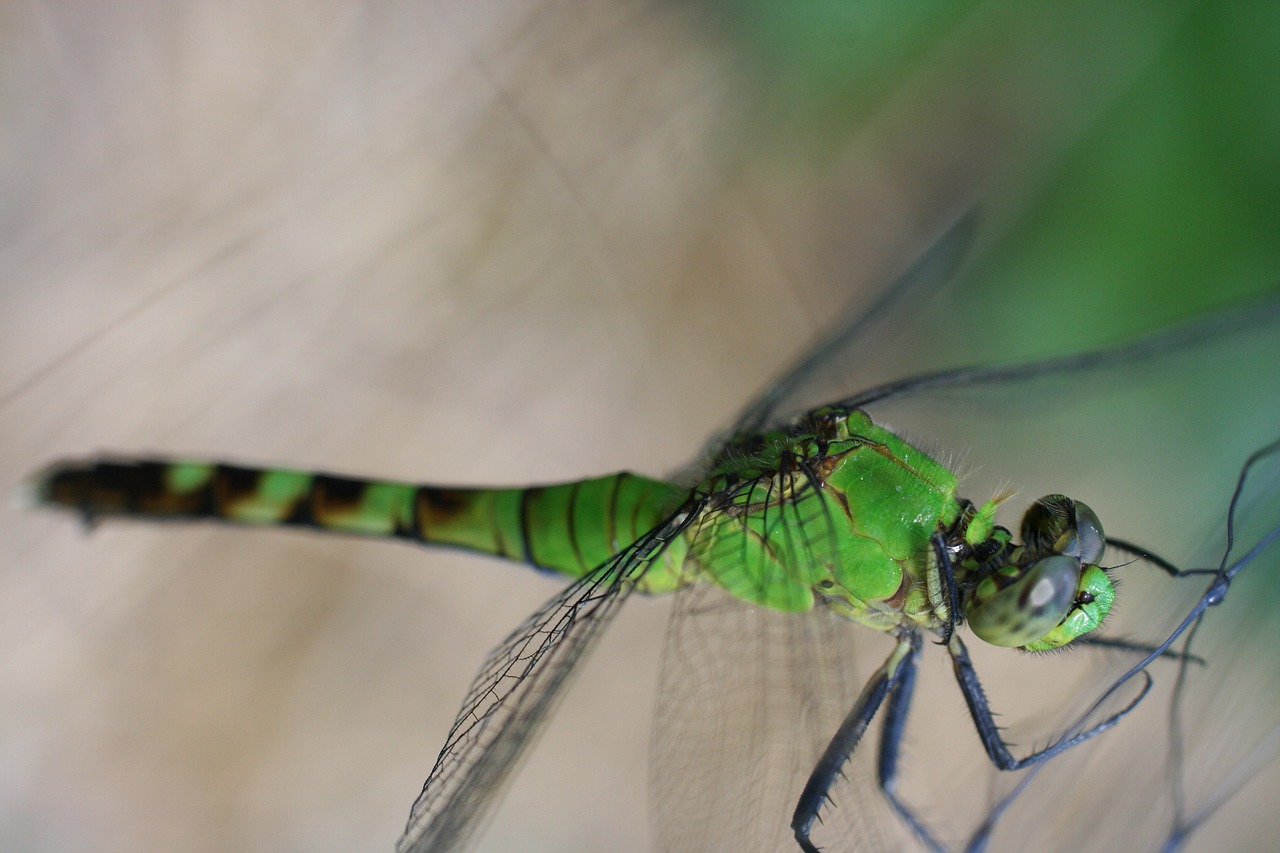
(825, 513)
(833, 511)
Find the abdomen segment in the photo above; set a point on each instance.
(568, 528)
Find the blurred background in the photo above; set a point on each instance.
(507, 243)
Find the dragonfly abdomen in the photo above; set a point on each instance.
(568, 528)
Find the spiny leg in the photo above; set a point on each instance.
(947, 574)
(989, 733)
(895, 724)
(1121, 644)
(898, 666)
(1155, 559)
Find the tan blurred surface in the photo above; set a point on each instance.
(459, 243)
(432, 241)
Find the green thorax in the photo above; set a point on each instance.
(836, 510)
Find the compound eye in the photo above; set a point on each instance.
(1030, 607)
(1057, 524)
(1086, 542)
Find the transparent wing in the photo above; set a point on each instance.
(749, 697)
(1103, 425)
(1224, 734)
(827, 362)
(749, 694)
(1154, 436)
(511, 696)
(1250, 317)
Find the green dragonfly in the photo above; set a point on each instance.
(820, 518)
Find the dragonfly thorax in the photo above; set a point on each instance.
(833, 511)
(840, 512)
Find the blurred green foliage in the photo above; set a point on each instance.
(1172, 202)
(1168, 198)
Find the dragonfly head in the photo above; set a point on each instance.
(1052, 590)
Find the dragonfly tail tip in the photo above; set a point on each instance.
(30, 493)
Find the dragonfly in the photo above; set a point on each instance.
(826, 520)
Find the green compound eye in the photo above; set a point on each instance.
(1094, 597)
(1029, 608)
(1088, 542)
(1057, 524)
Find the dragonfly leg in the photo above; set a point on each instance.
(1156, 560)
(980, 711)
(899, 666)
(947, 574)
(895, 724)
(1136, 647)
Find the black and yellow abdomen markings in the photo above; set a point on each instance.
(568, 528)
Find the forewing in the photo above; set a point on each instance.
(828, 362)
(517, 686)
